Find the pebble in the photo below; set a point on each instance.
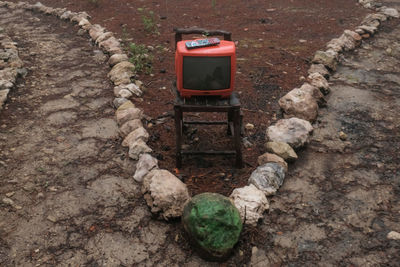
(249, 126)
(342, 136)
(393, 235)
(10, 194)
(52, 218)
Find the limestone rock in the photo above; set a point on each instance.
(294, 131)
(139, 133)
(372, 17)
(145, 164)
(133, 88)
(128, 114)
(127, 104)
(319, 81)
(138, 148)
(319, 68)
(368, 29)
(104, 36)
(3, 97)
(268, 178)
(298, 103)
(251, 203)
(67, 15)
(119, 101)
(95, 31)
(111, 45)
(353, 35)
(213, 224)
(164, 193)
(122, 73)
(130, 126)
(281, 149)
(4, 84)
(85, 24)
(393, 235)
(117, 58)
(315, 92)
(122, 93)
(390, 12)
(327, 58)
(268, 157)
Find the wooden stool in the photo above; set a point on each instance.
(208, 104)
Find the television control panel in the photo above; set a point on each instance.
(202, 43)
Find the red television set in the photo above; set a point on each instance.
(205, 67)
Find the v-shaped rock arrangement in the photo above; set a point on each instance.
(164, 193)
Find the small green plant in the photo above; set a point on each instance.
(140, 56)
(148, 20)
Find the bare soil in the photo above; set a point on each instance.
(275, 42)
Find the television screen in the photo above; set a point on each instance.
(206, 73)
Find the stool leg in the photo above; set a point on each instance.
(236, 136)
(178, 132)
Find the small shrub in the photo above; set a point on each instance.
(148, 21)
(140, 56)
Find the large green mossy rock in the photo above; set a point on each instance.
(213, 224)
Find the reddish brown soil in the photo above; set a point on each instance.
(275, 42)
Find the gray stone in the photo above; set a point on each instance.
(268, 178)
(269, 157)
(293, 131)
(133, 88)
(126, 105)
(62, 117)
(138, 148)
(122, 93)
(319, 68)
(119, 101)
(130, 126)
(145, 164)
(319, 81)
(122, 73)
(139, 133)
(67, 15)
(327, 58)
(281, 149)
(390, 12)
(84, 24)
(315, 92)
(251, 203)
(164, 194)
(298, 103)
(368, 29)
(117, 58)
(128, 114)
(5, 85)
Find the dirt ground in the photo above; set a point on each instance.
(70, 182)
(275, 42)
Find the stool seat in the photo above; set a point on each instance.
(229, 105)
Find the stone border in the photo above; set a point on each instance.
(164, 193)
(11, 65)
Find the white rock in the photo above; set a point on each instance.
(111, 45)
(128, 114)
(139, 133)
(327, 58)
(268, 178)
(122, 73)
(138, 148)
(319, 68)
(393, 235)
(249, 126)
(319, 81)
(368, 29)
(133, 88)
(145, 164)
(251, 203)
(130, 126)
(104, 36)
(122, 93)
(315, 92)
(293, 131)
(117, 58)
(85, 24)
(390, 12)
(164, 193)
(67, 15)
(298, 103)
(95, 31)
